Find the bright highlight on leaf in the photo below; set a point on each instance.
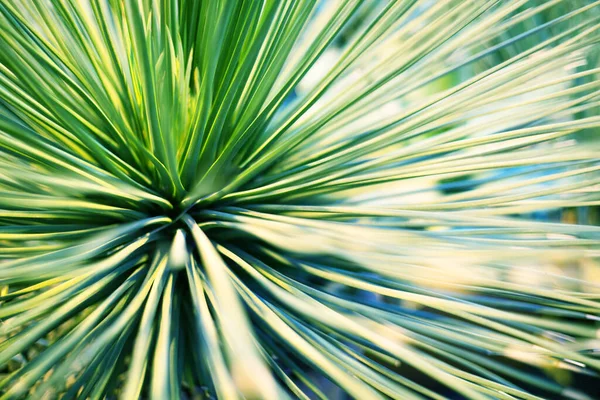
(275, 199)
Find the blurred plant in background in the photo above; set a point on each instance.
(299, 199)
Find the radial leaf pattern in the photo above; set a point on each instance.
(299, 199)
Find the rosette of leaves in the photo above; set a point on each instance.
(271, 199)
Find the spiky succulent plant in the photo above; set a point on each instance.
(299, 199)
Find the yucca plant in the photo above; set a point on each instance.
(299, 199)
